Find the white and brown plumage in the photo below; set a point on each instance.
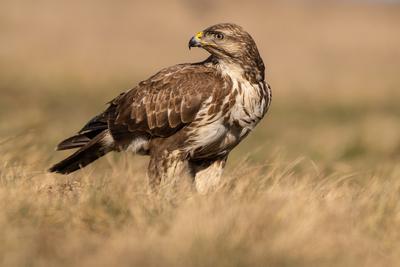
(187, 117)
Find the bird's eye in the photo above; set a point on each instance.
(218, 36)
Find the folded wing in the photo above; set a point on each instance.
(166, 102)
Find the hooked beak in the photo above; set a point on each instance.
(195, 41)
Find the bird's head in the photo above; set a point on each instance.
(227, 41)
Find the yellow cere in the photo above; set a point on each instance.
(199, 35)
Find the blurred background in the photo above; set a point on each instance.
(316, 183)
(334, 67)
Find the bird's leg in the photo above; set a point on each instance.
(208, 174)
(178, 171)
(154, 172)
(170, 169)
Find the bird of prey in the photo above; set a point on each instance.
(187, 117)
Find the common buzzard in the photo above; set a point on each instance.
(187, 117)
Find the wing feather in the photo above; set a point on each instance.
(167, 101)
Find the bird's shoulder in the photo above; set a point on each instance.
(177, 79)
(183, 77)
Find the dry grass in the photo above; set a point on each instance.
(317, 183)
(278, 214)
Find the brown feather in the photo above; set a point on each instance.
(167, 101)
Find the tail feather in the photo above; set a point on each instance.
(93, 128)
(75, 141)
(91, 151)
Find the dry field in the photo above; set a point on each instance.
(316, 184)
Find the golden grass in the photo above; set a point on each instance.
(316, 184)
(277, 214)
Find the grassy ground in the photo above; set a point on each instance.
(316, 184)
